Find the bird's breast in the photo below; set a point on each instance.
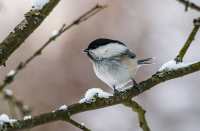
(131, 65)
(112, 72)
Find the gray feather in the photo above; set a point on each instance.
(145, 61)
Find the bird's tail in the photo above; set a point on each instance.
(145, 61)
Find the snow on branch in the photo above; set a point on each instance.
(12, 74)
(120, 98)
(4, 119)
(5, 122)
(92, 94)
(24, 29)
(191, 37)
(104, 102)
(178, 61)
(10, 77)
(63, 107)
(96, 98)
(173, 65)
(39, 4)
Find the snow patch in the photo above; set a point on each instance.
(63, 107)
(12, 120)
(38, 4)
(172, 65)
(92, 94)
(4, 119)
(11, 73)
(54, 33)
(27, 117)
(8, 92)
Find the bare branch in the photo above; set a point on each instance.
(24, 109)
(189, 4)
(179, 57)
(141, 113)
(21, 32)
(10, 77)
(76, 124)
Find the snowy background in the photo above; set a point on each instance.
(151, 28)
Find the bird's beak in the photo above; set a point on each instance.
(85, 51)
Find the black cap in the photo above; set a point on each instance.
(101, 42)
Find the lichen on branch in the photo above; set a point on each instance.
(24, 29)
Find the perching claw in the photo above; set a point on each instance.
(136, 85)
(116, 92)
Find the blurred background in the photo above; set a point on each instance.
(62, 74)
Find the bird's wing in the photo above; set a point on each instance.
(125, 55)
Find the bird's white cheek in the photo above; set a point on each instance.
(99, 52)
(109, 50)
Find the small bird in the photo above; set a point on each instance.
(114, 63)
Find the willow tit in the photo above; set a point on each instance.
(113, 62)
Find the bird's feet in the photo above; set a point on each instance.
(136, 85)
(116, 92)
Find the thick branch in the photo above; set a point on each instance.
(21, 32)
(141, 113)
(179, 57)
(11, 76)
(105, 102)
(189, 4)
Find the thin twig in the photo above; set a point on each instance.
(24, 109)
(11, 106)
(76, 124)
(181, 54)
(141, 113)
(189, 4)
(10, 77)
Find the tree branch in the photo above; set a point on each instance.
(179, 57)
(122, 97)
(11, 76)
(81, 126)
(141, 113)
(189, 4)
(24, 109)
(104, 102)
(32, 20)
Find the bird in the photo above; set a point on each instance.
(114, 63)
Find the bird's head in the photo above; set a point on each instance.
(105, 48)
